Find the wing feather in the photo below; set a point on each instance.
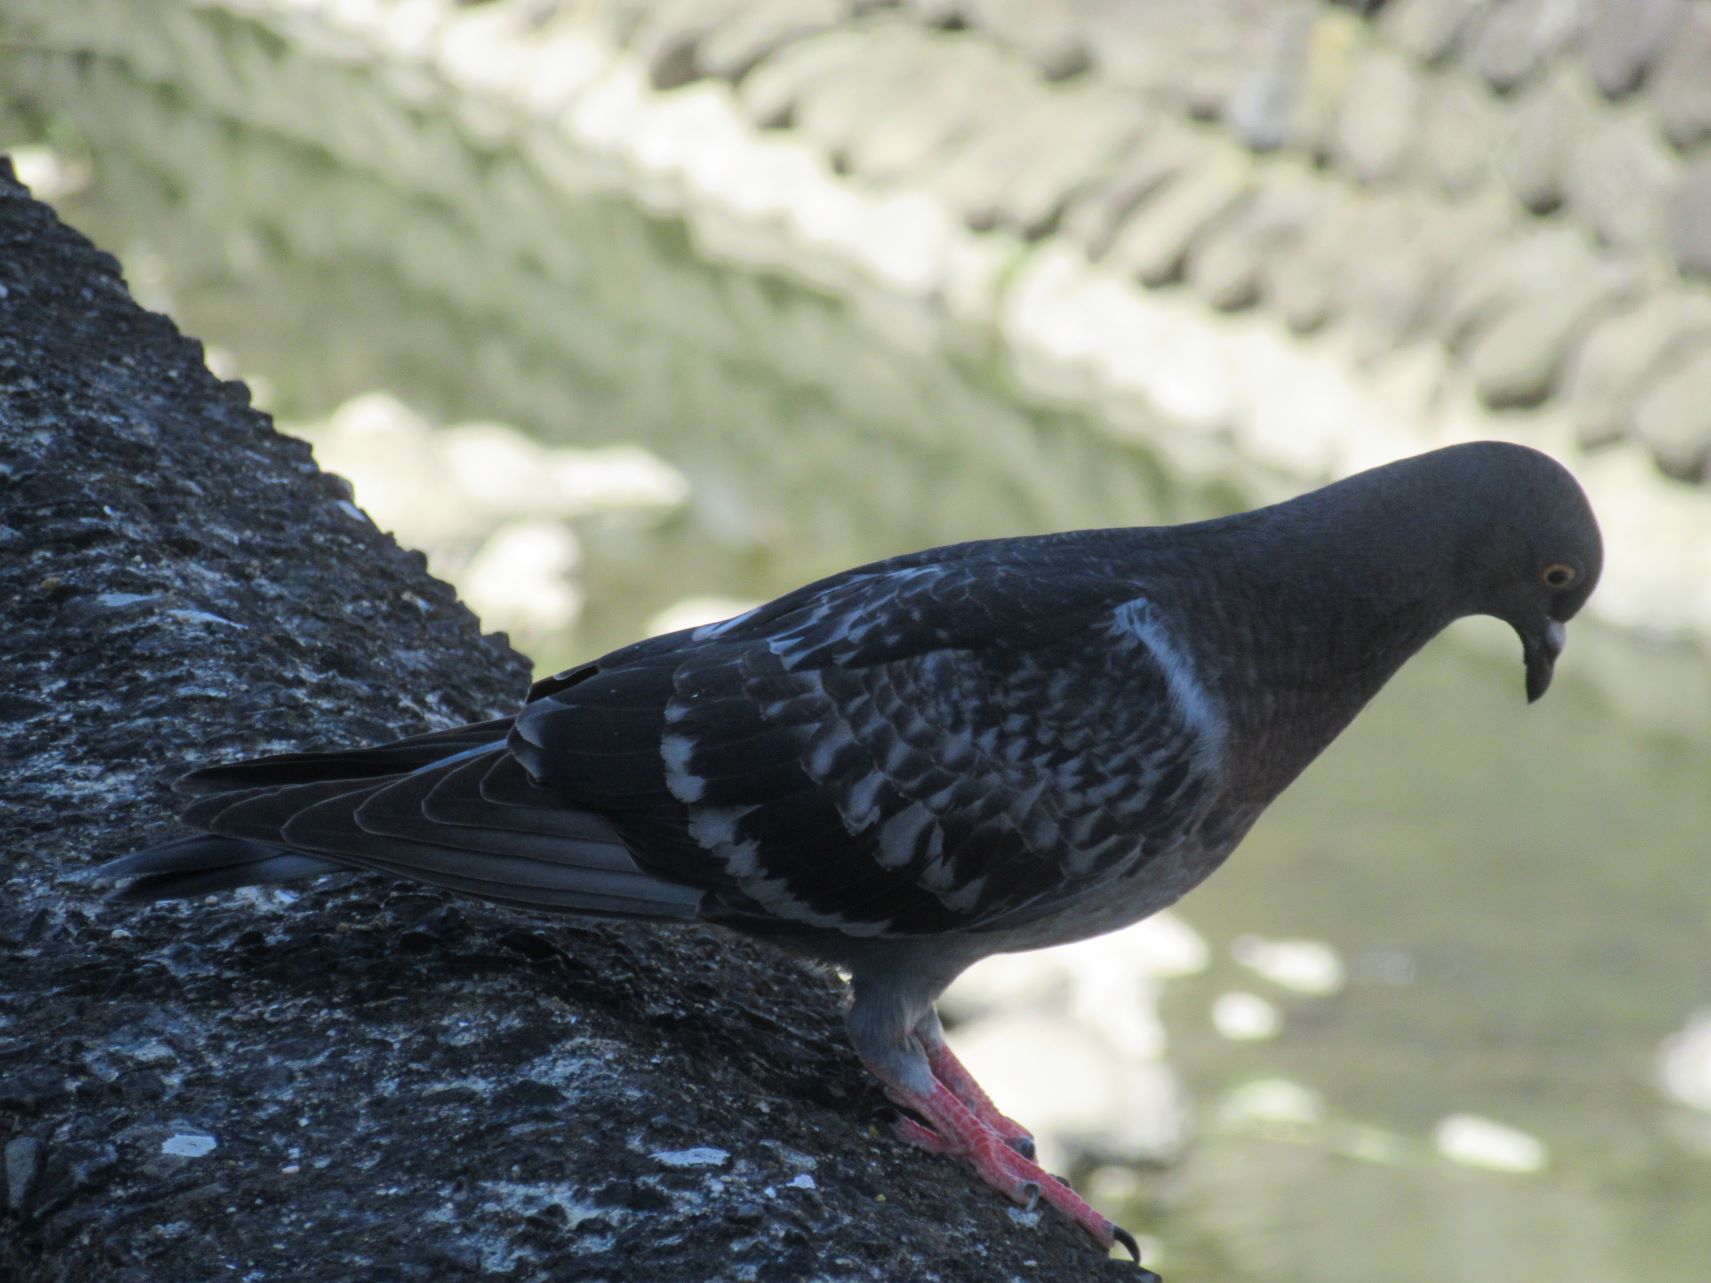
(935, 746)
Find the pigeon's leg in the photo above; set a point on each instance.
(888, 1008)
(954, 1074)
(952, 1128)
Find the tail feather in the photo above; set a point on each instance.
(396, 810)
(451, 809)
(560, 885)
(258, 814)
(203, 864)
(369, 762)
(466, 797)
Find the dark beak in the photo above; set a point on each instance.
(1541, 650)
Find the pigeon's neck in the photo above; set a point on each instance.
(1316, 607)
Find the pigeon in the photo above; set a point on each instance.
(909, 766)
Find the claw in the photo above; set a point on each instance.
(1134, 1250)
(1030, 1196)
(1023, 1145)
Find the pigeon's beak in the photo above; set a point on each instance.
(1541, 650)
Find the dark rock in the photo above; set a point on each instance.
(29, 1091)
(1430, 29)
(1619, 175)
(378, 1112)
(1679, 88)
(1673, 418)
(1379, 117)
(1690, 219)
(1520, 37)
(77, 1166)
(24, 1159)
(1623, 38)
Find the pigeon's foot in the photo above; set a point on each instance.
(951, 1127)
(954, 1074)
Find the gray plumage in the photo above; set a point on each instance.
(903, 768)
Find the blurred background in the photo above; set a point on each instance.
(631, 315)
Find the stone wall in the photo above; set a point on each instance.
(1524, 184)
(1278, 232)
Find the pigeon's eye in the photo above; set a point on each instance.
(1558, 576)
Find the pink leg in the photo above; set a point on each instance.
(907, 1129)
(952, 1128)
(954, 1074)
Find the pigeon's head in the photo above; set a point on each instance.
(1530, 550)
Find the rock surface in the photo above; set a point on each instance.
(357, 1081)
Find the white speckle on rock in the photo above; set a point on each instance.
(188, 1145)
(700, 1156)
(1245, 1017)
(153, 1052)
(1479, 1142)
(203, 617)
(802, 1181)
(1023, 1217)
(791, 1157)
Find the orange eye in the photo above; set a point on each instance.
(1558, 576)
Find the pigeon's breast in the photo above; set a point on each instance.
(1157, 879)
